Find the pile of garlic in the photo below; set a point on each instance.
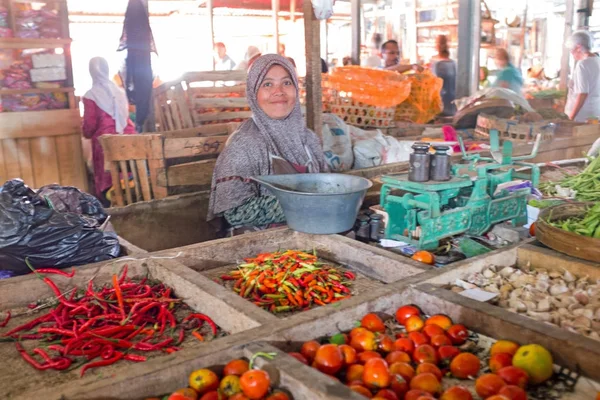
(558, 298)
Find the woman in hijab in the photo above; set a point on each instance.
(274, 141)
(105, 112)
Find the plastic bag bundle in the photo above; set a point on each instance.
(32, 229)
(373, 87)
(424, 101)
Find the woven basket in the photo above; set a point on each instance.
(512, 130)
(360, 114)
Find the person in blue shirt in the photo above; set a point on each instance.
(509, 77)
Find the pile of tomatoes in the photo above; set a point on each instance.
(238, 382)
(409, 365)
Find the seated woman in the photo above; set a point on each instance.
(509, 77)
(274, 141)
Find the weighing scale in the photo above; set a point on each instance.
(423, 213)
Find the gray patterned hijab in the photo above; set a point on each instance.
(250, 150)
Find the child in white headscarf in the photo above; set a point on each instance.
(106, 111)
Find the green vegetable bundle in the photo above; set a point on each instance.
(588, 225)
(587, 183)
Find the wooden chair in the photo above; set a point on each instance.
(163, 163)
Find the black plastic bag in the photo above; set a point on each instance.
(30, 228)
(70, 199)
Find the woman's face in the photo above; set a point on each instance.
(277, 94)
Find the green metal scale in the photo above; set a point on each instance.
(423, 213)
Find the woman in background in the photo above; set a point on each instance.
(106, 112)
(445, 68)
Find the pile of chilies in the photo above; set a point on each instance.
(107, 325)
(289, 281)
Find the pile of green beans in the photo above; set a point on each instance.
(587, 183)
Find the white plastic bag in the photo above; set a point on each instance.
(337, 145)
(369, 152)
(323, 8)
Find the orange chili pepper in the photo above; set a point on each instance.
(198, 336)
(115, 281)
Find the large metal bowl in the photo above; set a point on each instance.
(318, 203)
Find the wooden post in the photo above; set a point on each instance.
(211, 28)
(523, 33)
(275, 6)
(564, 62)
(469, 39)
(355, 6)
(293, 10)
(312, 37)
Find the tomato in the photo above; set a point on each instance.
(184, 394)
(373, 323)
(499, 361)
(426, 382)
(465, 365)
(404, 312)
(376, 374)
(360, 389)
(514, 376)
(354, 373)
(255, 384)
(367, 355)
(418, 338)
(236, 367)
(429, 368)
(405, 345)
(364, 341)
(532, 230)
(441, 320)
(386, 394)
(212, 395)
(230, 385)
(239, 396)
(417, 394)
(203, 380)
(357, 330)
(385, 343)
(447, 353)
(299, 357)
(513, 392)
(349, 354)
(488, 385)
(433, 330)
(403, 369)
(457, 393)
(309, 349)
(397, 356)
(458, 334)
(399, 385)
(424, 256)
(425, 353)
(329, 359)
(278, 395)
(414, 323)
(440, 340)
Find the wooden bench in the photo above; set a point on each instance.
(163, 164)
(201, 98)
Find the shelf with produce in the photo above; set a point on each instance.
(20, 43)
(449, 22)
(8, 92)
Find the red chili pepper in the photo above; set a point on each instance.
(123, 274)
(181, 336)
(58, 293)
(350, 275)
(27, 357)
(29, 325)
(56, 272)
(134, 358)
(42, 353)
(205, 318)
(116, 357)
(107, 351)
(57, 331)
(228, 278)
(5, 322)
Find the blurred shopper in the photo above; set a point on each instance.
(252, 55)
(222, 61)
(583, 99)
(445, 68)
(509, 77)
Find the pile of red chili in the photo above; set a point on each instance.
(289, 281)
(125, 320)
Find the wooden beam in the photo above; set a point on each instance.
(355, 15)
(564, 61)
(275, 6)
(211, 27)
(523, 34)
(293, 10)
(314, 102)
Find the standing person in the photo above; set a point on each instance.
(390, 53)
(222, 61)
(105, 112)
(583, 100)
(374, 59)
(274, 141)
(282, 53)
(445, 68)
(509, 77)
(251, 55)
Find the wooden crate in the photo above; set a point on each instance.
(570, 349)
(201, 294)
(514, 131)
(164, 163)
(42, 147)
(202, 98)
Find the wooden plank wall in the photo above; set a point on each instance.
(42, 148)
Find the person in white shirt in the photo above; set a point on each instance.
(390, 52)
(583, 99)
(223, 62)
